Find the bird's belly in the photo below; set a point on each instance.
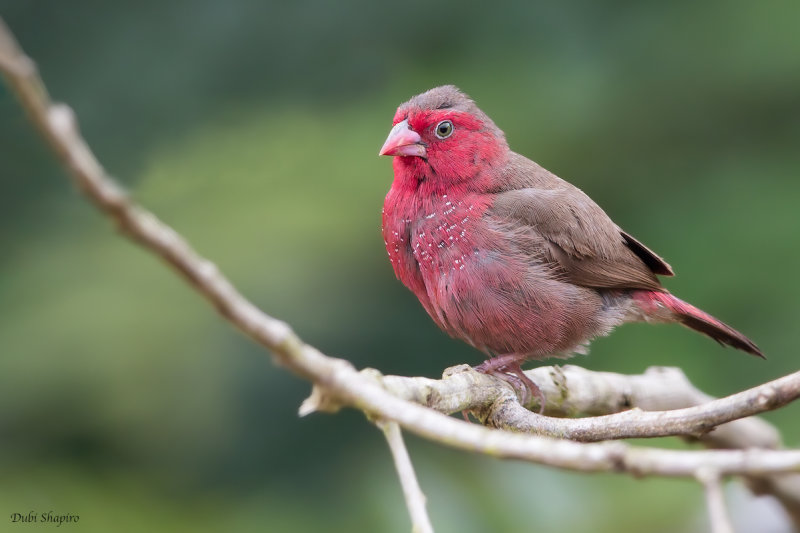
(501, 304)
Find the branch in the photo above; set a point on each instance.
(415, 500)
(338, 383)
(572, 391)
(678, 408)
(715, 501)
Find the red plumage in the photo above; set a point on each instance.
(504, 254)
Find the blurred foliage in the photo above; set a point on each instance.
(253, 129)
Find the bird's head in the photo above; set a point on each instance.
(441, 137)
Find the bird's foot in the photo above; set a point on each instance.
(508, 368)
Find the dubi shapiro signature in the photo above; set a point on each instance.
(48, 517)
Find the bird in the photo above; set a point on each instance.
(507, 256)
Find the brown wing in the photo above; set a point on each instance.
(578, 237)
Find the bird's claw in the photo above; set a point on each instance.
(509, 370)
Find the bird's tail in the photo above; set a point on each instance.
(697, 319)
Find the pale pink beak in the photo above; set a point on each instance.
(402, 140)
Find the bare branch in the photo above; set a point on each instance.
(415, 499)
(676, 406)
(692, 421)
(572, 391)
(715, 501)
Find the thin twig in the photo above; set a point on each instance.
(415, 499)
(715, 501)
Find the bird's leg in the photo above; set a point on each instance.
(530, 386)
(508, 368)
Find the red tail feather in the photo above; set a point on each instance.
(699, 320)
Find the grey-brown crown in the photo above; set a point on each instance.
(450, 97)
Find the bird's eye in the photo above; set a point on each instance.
(444, 129)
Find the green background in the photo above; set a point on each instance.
(253, 128)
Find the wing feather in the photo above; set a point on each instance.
(583, 244)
